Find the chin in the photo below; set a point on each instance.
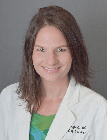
(51, 79)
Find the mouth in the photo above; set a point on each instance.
(51, 69)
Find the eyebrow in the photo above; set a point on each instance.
(56, 47)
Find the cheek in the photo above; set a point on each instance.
(68, 63)
(36, 57)
(67, 59)
(36, 60)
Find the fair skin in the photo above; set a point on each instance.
(51, 52)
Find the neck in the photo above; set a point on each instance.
(54, 90)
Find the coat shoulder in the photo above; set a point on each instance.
(94, 97)
(10, 90)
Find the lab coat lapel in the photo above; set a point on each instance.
(64, 117)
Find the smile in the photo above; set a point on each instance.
(51, 70)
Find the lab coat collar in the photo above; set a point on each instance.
(73, 92)
(64, 117)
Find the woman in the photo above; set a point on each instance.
(53, 99)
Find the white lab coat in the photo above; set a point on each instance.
(82, 115)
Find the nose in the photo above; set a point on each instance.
(51, 59)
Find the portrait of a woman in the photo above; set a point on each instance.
(53, 99)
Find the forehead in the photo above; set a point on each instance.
(50, 35)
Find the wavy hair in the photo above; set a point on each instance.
(63, 20)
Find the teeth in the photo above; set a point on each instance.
(51, 69)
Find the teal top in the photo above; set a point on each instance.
(39, 126)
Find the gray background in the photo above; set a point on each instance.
(15, 16)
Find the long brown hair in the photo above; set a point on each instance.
(63, 20)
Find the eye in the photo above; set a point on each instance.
(61, 50)
(40, 50)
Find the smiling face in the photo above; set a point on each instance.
(51, 55)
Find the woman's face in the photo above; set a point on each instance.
(51, 55)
